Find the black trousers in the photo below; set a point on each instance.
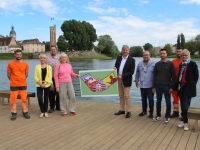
(45, 93)
(185, 102)
(54, 98)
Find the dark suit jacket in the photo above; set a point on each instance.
(192, 76)
(128, 70)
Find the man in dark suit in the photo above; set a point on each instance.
(125, 66)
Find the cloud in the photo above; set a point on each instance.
(144, 1)
(14, 6)
(134, 31)
(45, 6)
(190, 2)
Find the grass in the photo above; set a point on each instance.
(11, 55)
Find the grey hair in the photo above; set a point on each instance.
(42, 55)
(125, 46)
(187, 52)
(63, 55)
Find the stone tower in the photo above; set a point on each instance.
(13, 33)
(53, 35)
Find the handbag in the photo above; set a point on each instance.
(51, 87)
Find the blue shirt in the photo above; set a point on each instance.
(148, 81)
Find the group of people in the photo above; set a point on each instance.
(177, 77)
(54, 71)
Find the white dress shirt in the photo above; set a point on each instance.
(122, 64)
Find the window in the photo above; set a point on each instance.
(4, 48)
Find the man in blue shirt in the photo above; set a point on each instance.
(144, 75)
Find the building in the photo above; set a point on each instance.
(53, 35)
(8, 45)
(32, 46)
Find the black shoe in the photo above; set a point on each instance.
(142, 113)
(128, 114)
(51, 110)
(175, 114)
(13, 116)
(120, 112)
(26, 115)
(150, 116)
(57, 108)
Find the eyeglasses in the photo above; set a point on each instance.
(185, 55)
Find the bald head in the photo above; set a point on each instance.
(146, 56)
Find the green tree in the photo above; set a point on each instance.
(191, 45)
(79, 35)
(182, 41)
(168, 47)
(107, 46)
(178, 44)
(47, 46)
(149, 47)
(136, 51)
(62, 44)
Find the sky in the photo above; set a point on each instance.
(131, 22)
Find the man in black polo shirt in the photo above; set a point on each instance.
(164, 78)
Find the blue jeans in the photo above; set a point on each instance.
(147, 93)
(185, 102)
(160, 90)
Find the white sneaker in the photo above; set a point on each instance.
(41, 115)
(186, 126)
(156, 118)
(180, 125)
(167, 120)
(46, 115)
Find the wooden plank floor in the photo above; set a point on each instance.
(95, 128)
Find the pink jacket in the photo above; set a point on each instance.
(63, 73)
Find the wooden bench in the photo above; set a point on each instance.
(6, 94)
(194, 113)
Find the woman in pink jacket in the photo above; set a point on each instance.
(63, 74)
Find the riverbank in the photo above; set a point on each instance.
(72, 55)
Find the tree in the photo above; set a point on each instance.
(62, 44)
(47, 46)
(136, 51)
(79, 35)
(149, 47)
(107, 46)
(178, 44)
(182, 41)
(168, 47)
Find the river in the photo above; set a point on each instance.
(92, 64)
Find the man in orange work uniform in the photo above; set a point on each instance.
(17, 72)
(177, 61)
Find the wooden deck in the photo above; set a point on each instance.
(95, 128)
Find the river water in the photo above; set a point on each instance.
(93, 64)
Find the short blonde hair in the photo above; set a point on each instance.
(63, 55)
(42, 55)
(186, 52)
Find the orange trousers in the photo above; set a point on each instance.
(176, 100)
(13, 103)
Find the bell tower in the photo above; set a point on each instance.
(53, 35)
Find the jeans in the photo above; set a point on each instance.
(147, 93)
(54, 98)
(160, 90)
(43, 104)
(185, 102)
